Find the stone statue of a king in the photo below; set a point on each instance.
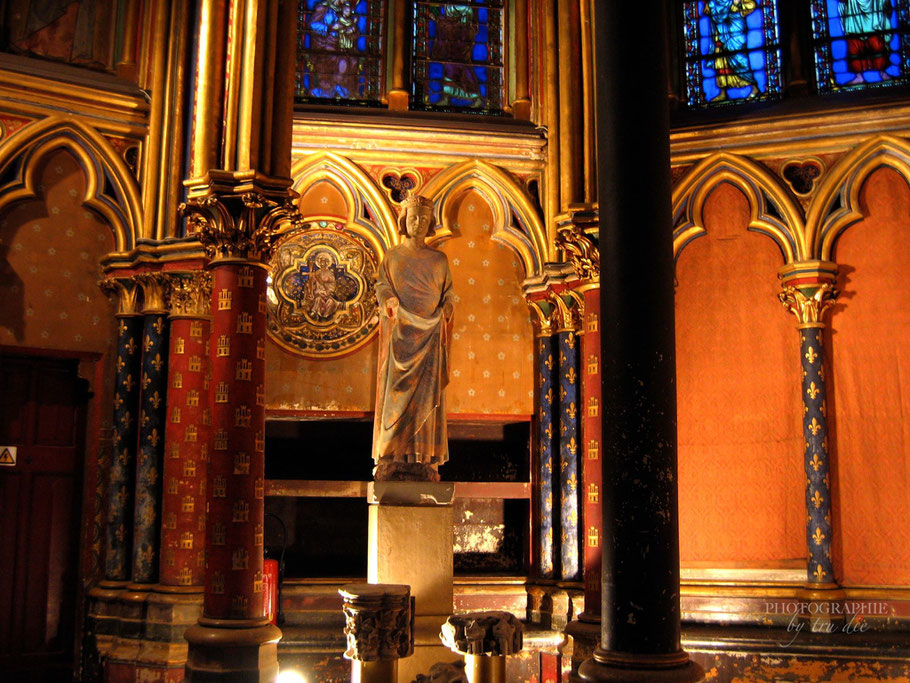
(414, 291)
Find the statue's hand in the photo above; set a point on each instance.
(391, 307)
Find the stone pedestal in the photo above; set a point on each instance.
(411, 533)
(232, 650)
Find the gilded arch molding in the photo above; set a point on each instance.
(773, 210)
(505, 197)
(357, 188)
(22, 154)
(837, 205)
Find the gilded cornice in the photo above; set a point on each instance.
(809, 133)
(37, 88)
(191, 295)
(124, 291)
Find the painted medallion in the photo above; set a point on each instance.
(320, 297)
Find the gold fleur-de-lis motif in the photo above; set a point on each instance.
(542, 380)
(121, 328)
(549, 395)
(549, 362)
(122, 496)
(130, 346)
(821, 373)
(123, 458)
(562, 358)
(117, 400)
(563, 464)
(818, 338)
(572, 446)
(814, 426)
(570, 340)
(572, 411)
(813, 391)
(549, 431)
(120, 363)
(155, 400)
(825, 480)
(819, 572)
(116, 436)
(815, 462)
(573, 518)
(811, 356)
(126, 420)
(120, 533)
(822, 408)
(129, 382)
(148, 343)
(572, 483)
(828, 518)
(143, 418)
(562, 393)
(818, 536)
(159, 324)
(562, 428)
(154, 438)
(146, 380)
(156, 362)
(825, 444)
(570, 375)
(817, 499)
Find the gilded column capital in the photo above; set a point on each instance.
(569, 311)
(235, 217)
(156, 288)
(377, 621)
(191, 295)
(807, 290)
(545, 316)
(581, 251)
(125, 291)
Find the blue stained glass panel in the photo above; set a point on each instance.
(732, 51)
(860, 43)
(457, 52)
(339, 51)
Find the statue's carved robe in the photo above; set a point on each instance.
(410, 422)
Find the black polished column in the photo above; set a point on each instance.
(640, 631)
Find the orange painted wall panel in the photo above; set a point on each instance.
(870, 357)
(740, 445)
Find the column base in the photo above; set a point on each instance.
(628, 668)
(485, 668)
(398, 100)
(824, 604)
(239, 652)
(585, 633)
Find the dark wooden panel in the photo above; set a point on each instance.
(14, 391)
(55, 418)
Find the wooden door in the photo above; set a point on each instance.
(41, 414)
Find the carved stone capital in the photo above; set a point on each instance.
(125, 291)
(580, 250)
(377, 621)
(482, 633)
(808, 303)
(570, 311)
(240, 223)
(156, 288)
(191, 295)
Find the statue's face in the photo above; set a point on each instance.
(418, 221)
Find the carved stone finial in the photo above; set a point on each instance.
(377, 621)
(482, 633)
(126, 293)
(581, 251)
(808, 304)
(191, 295)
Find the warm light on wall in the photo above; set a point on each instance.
(290, 676)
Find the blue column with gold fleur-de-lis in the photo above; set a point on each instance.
(117, 566)
(569, 379)
(152, 420)
(547, 402)
(808, 290)
(815, 431)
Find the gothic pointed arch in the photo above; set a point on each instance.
(837, 205)
(774, 211)
(361, 194)
(110, 188)
(516, 222)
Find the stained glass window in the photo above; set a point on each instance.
(860, 43)
(457, 56)
(339, 50)
(732, 51)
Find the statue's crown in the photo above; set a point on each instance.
(417, 201)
